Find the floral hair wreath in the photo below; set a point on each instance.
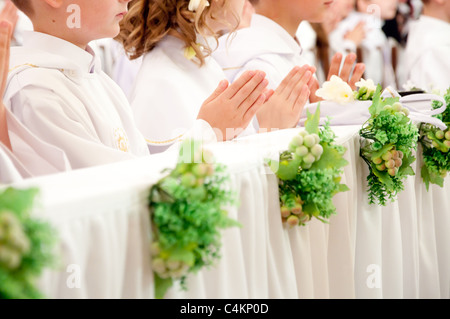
(195, 4)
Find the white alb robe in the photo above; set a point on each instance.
(60, 94)
(428, 54)
(169, 92)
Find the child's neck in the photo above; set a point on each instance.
(60, 33)
(436, 12)
(285, 21)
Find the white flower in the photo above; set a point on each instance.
(409, 86)
(195, 4)
(336, 90)
(368, 84)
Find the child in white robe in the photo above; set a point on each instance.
(375, 47)
(428, 47)
(177, 73)
(56, 87)
(270, 44)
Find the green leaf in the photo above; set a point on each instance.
(406, 168)
(430, 177)
(376, 106)
(425, 176)
(382, 151)
(312, 122)
(384, 178)
(161, 286)
(311, 209)
(18, 201)
(343, 188)
(286, 170)
(331, 158)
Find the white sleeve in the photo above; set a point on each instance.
(273, 75)
(432, 70)
(50, 119)
(8, 170)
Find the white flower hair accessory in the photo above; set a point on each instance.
(195, 4)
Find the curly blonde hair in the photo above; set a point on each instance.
(149, 21)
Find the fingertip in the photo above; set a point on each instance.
(4, 24)
(351, 56)
(223, 84)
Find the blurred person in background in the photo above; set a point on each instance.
(362, 32)
(428, 47)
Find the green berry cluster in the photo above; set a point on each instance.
(192, 176)
(440, 140)
(294, 215)
(164, 267)
(306, 147)
(14, 243)
(391, 161)
(397, 107)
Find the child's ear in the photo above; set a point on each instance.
(54, 3)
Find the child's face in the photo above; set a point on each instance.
(309, 10)
(100, 18)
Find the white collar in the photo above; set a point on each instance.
(69, 55)
(438, 23)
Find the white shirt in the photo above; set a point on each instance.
(264, 46)
(428, 54)
(59, 92)
(169, 92)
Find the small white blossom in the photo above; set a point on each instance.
(336, 90)
(409, 86)
(368, 84)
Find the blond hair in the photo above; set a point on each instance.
(149, 21)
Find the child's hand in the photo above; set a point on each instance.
(5, 38)
(347, 68)
(358, 34)
(284, 108)
(9, 14)
(230, 109)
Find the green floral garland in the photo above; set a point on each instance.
(309, 174)
(25, 245)
(436, 146)
(388, 140)
(188, 211)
